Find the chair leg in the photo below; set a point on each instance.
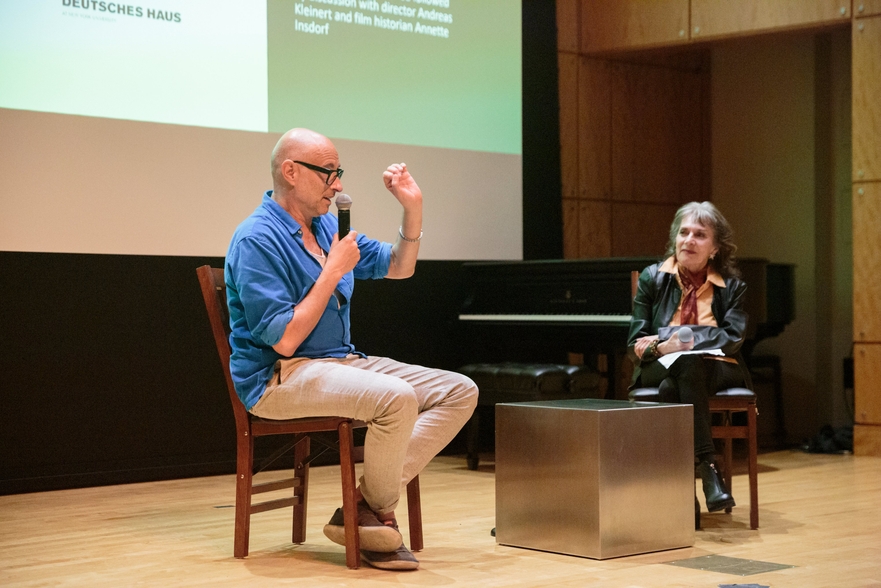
(244, 479)
(414, 512)
(301, 489)
(350, 507)
(728, 458)
(753, 469)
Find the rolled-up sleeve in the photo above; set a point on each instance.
(376, 258)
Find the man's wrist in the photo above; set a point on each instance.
(404, 237)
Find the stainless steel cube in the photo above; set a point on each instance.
(595, 478)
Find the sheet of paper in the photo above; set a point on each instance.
(667, 360)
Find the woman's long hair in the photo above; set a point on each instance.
(706, 214)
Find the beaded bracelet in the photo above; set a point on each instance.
(416, 240)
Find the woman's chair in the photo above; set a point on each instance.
(725, 403)
(249, 427)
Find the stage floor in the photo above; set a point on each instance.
(819, 514)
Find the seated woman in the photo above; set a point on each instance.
(697, 285)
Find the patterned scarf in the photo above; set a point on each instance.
(688, 316)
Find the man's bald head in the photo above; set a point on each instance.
(296, 144)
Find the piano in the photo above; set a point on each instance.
(541, 311)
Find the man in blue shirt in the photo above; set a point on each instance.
(289, 285)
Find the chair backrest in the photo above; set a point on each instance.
(214, 293)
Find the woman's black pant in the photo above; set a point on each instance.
(691, 380)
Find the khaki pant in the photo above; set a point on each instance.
(413, 412)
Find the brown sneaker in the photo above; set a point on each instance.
(400, 559)
(374, 535)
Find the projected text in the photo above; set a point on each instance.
(406, 16)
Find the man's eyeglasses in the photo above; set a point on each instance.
(332, 174)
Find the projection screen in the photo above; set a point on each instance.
(145, 129)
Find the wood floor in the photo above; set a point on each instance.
(819, 513)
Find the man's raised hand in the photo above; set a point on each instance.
(401, 184)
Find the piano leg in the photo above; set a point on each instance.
(612, 376)
(617, 372)
(607, 366)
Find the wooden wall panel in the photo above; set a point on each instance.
(866, 8)
(640, 229)
(568, 25)
(691, 109)
(640, 99)
(570, 228)
(594, 129)
(706, 147)
(867, 262)
(657, 127)
(867, 379)
(568, 89)
(866, 47)
(718, 18)
(594, 229)
(627, 24)
(867, 440)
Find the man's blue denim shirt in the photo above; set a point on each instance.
(268, 272)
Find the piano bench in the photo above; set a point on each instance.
(524, 382)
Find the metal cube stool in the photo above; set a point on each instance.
(594, 478)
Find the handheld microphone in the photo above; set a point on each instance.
(343, 204)
(686, 334)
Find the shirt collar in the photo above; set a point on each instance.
(276, 210)
(670, 266)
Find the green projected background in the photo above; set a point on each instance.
(161, 92)
(194, 62)
(384, 71)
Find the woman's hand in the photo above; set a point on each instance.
(642, 344)
(673, 344)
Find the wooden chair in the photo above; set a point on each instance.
(249, 427)
(725, 403)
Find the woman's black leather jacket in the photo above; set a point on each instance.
(657, 298)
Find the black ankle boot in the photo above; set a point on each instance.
(714, 489)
